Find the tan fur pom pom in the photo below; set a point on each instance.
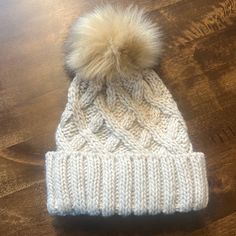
(111, 41)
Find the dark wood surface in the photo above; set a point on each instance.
(199, 68)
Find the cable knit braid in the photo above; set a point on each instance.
(123, 149)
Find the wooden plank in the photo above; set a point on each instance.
(199, 67)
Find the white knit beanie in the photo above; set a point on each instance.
(122, 144)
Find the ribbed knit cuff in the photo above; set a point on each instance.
(82, 183)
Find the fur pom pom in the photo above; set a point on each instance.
(111, 41)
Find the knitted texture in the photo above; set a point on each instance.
(123, 148)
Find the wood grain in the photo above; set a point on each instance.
(199, 68)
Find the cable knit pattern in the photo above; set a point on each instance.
(123, 148)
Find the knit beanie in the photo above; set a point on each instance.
(122, 144)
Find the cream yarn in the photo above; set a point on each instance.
(123, 148)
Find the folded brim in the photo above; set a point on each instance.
(82, 183)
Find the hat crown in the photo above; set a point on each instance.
(135, 115)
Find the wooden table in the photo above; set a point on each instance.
(199, 68)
